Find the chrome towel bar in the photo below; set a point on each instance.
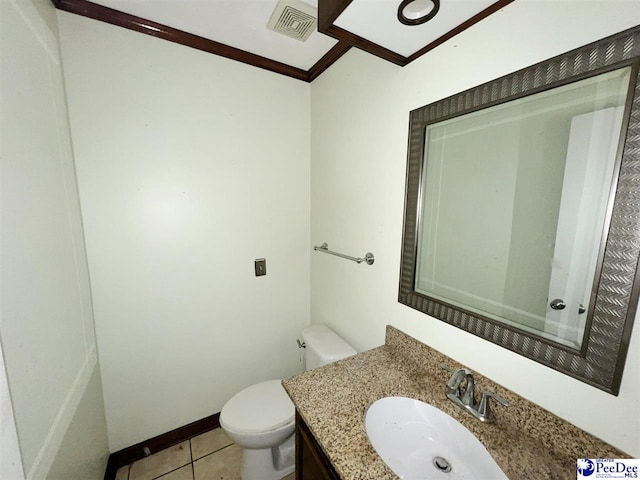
(368, 257)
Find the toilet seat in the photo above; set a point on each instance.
(258, 408)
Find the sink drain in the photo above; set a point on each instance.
(442, 464)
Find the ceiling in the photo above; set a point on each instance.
(237, 29)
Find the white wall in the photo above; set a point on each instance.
(46, 322)
(190, 166)
(360, 109)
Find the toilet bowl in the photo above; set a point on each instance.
(261, 418)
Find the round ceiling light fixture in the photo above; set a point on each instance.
(417, 12)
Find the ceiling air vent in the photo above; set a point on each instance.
(294, 19)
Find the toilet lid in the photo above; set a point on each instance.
(258, 408)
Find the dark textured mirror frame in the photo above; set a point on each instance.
(601, 361)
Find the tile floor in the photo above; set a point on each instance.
(210, 456)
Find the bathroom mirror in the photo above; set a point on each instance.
(522, 210)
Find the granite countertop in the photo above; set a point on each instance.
(526, 441)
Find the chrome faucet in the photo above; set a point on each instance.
(469, 397)
(466, 398)
(456, 379)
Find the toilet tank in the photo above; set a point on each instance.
(323, 346)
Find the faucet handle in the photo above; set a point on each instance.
(483, 408)
(446, 367)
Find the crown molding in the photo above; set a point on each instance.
(328, 12)
(101, 13)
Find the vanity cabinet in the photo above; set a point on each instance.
(311, 462)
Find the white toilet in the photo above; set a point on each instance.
(261, 418)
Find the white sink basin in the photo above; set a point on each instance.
(421, 442)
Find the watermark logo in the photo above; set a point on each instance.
(609, 468)
(586, 467)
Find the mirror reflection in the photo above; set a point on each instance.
(514, 201)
